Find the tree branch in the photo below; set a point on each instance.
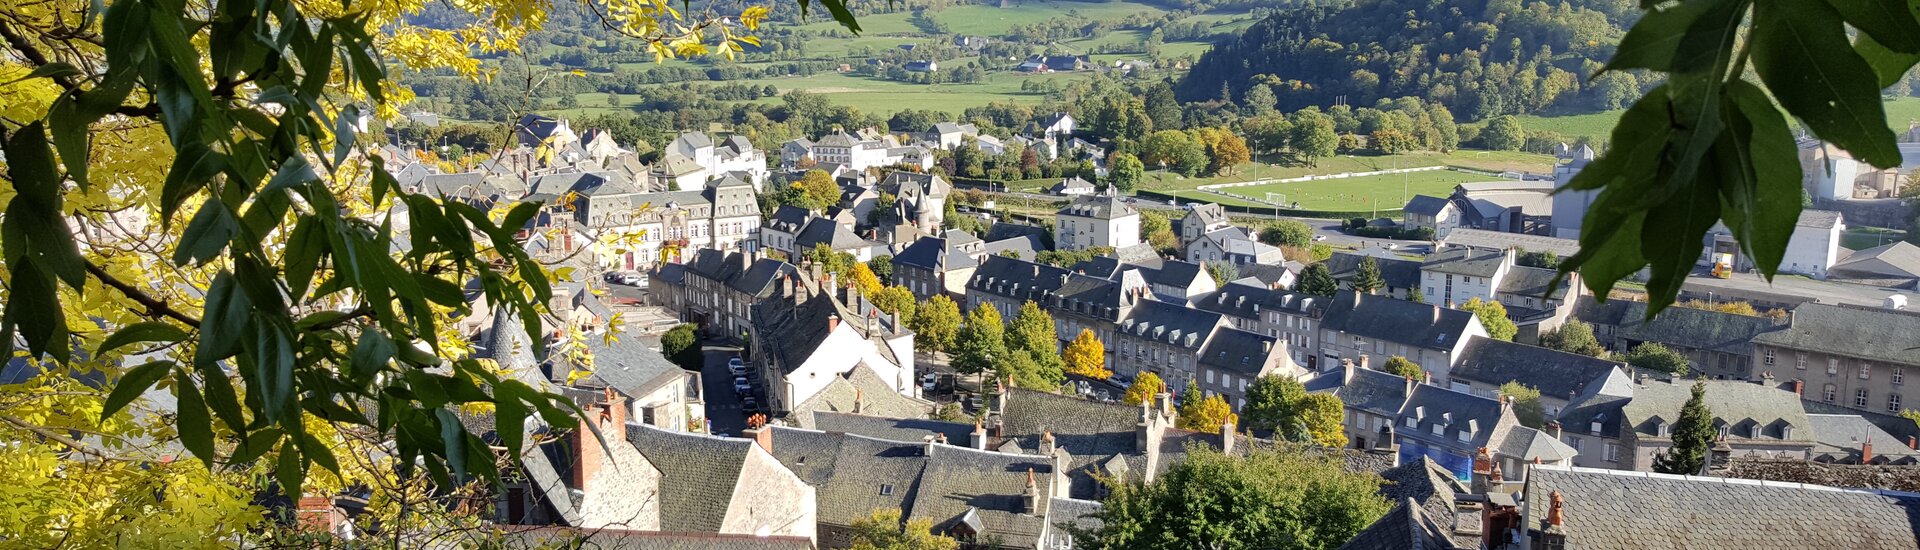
(154, 305)
(54, 436)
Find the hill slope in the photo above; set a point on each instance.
(1481, 58)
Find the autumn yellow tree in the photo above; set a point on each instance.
(1322, 414)
(1086, 356)
(1143, 388)
(861, 278)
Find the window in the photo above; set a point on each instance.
(1899, 375)
(1833, 366)
(1829, 393)
(1575, 442)
(1893, 403)
(1209, 376)
(1866, 371)
(886, 488)
(1860, 398)
(1611, 453)
(1801, 361)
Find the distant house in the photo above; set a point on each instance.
(949, 135)
(1400, 274)
(1433, 213)
(922, 66)
(1813, 248)
(971, 42)
(1894, 265)
(1091, 221)
(1071, 187)
(1623, 426)
(1058, 124)
(1232, 245)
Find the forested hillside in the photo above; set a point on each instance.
(1481, 58)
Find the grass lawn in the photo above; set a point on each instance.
(1383, 192)
(976, 19)
(1863, 237)
(876, 95)
(1901, 112)
(873, 24)
(1480, 160)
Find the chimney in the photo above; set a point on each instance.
(1164, 401)
(1227, 436)
(940, 437)
(1482, 471)
(1495, 475)
(1363, 361)
(1866, 451)
(1554, 533)
(856, 400)
(317, 513)
(1046, 443)
(1913, 443)
(587, 452)
(759, 432)
(616, 414)
(1411, 384)
(1799, 386)
(979, 440)
(1032, 493)
(833, 322)
(1000, 396)
(1552, 429)
(1384, 443)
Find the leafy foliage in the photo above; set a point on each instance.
(1401, 367)
(1574, 336)
(1222, 271)
(861, 278)
(1273, 498)
(1653, 356)
(1087, 357)
(1203, 413)
(1287, 233)
(982, 342)
(1273, 406)
(1143, 388)
(1322, 414)
(1316, 280)
(1526, 403)
(682, 346)
(1367, 277)
(936, 327)
(815, 191)
(883, 530)
(1493, 316)
(1692, 437)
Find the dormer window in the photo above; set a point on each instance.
(1663, 429)
(886, 489)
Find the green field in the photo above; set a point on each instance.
(876, 95)
(1901, 113)
(1492, 161)
(1384, 192)
(982, 20)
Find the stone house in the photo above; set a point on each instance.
(1852, 356)
(1718, 345)
(1094, 221)
(1625, 427)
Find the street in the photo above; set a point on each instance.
(724, 413)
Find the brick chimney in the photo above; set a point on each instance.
(1046, 443)
(1556, 512)
(616, 407)
(1482, 471)
(1031, 503)
(1799, 386)
(979, 440)
(1866, 451)
(1363, 361)
(587, 452)
(833, 322)
(1411, 384)
(317, 513)
(857, 398)
(1552, 429)
(759, 432)
(1913, 443)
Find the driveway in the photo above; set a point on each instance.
(723, 405)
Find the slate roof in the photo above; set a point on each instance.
(1840, 436)
(1500, 240)
(1675, 326)
(1090, 430)
(1019, 279)
(1554, 373)
(1468, 262)
(1206, 214)
(959, 482)
(822, 230)
(933, 253)
(1526, 444)
(1823, 219)
(1425, 205)
(1026, 247)
(876, 397)
(1072, 184)
(516, 536)
(1396, 271)
(1898, 260)
(1455, 412)
(1534, 282)
(799, 332)
(1234, 299)
(1428, 484)
(1068, 514)
(1169, 323)
(1238, 351)
(1178, 274)
(1877, 334)
(1103, 207)
(698, 474)
(1618, 509)
(892, 429)
(851, 474)
(1400, 321)
(1376, 392)
(789, 218)
(1405, 527)
(758, 280)
(1736, 403)
(629, 366)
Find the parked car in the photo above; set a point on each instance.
(624, 278)
(736, 367)
(749, 404)
(740, 385)
(929, 381)
(1318, 238)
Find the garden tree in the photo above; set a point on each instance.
(1275, 497)
(1173, 148)
(1503, 133)
(1087, 357)
(1267, 132)
(936, 326)
(1157, 231)
(1222, 271)
(681, 344)
(1401, 367)
(836, 263)
(1546, 259)
(1208, 414)
(1030, 370)
(1287, 233)
(1316, 280)
(897, 301)
(1574, 336)
(1273, 406)
(1313, 136)
(861, 278)
(814, 191)
(1692, 437)
(1493, 316)
(1224, 150)
(1526, 403)
(219, 236)
(1322, 414)
(1161, 107)
(1124, 172)
(1259, 100)
(1143, 388)
(1653, 356)
(882, 266)
(1415, 295)
(883, 530)
(1032, 329)
(981, 344)
(1366, 278)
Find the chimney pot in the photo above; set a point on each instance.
(1912, 442)
(833, 322)
(1555, 515)
(761, 434)
(1866, 452)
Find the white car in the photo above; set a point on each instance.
(735, 367)
(929, 381)
(740, 385)
(1318, 238)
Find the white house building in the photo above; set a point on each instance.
(1091, 221)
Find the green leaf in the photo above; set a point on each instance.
(193, 167)
(1761, 178)
(1801, 52)
(148, 331)
(509, 417)
(1681, 38)
(274, 360)
(294, 171)
(453, 436)
(1889, 22)
(1671, 236)
(50, 70)
(291, 470)
(206, 235)
(313, 449)
(304, 247)
(225, 321)
(192, 421)
(382, 181)
(343, 136)
(372, 353)
(254, 446)
(69, 127)
(221, 398)
(134, 383)
(1888, 64)
(33, 308)
(34, 223)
